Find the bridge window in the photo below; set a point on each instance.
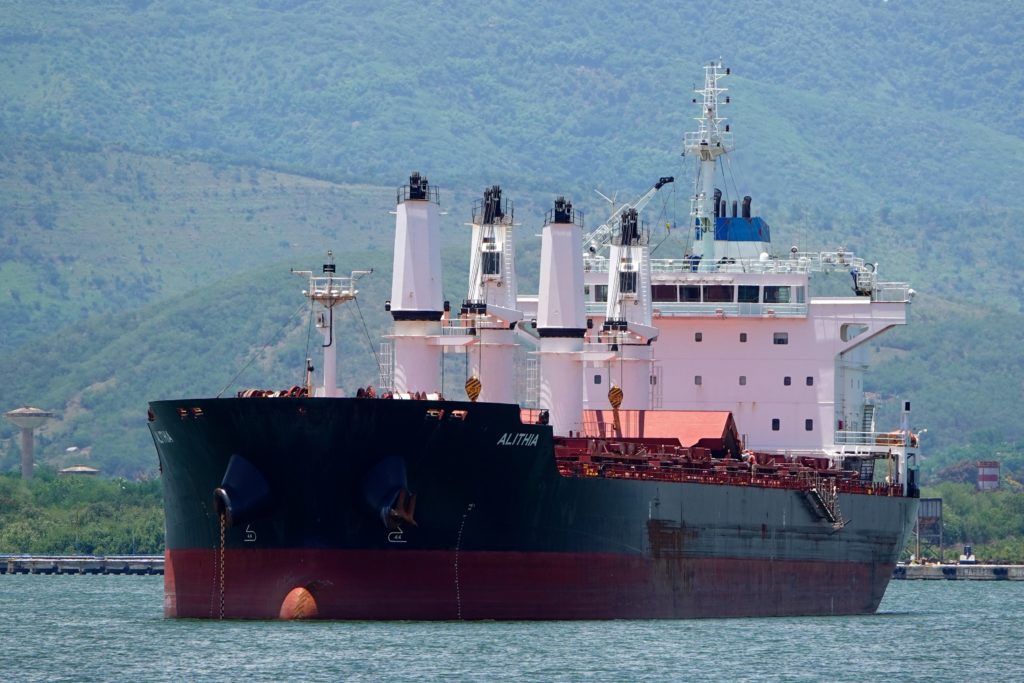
(776, 295)
(775, 424)
(801, 295)
(780, 338)
(689, 293)
(747, 294)
(600, 292)
(718, 294)
(664, 293)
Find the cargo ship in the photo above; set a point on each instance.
(643, 438)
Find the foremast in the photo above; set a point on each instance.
(327, 291)
(711, 140)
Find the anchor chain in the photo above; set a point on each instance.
(223, 523)
(458, 546)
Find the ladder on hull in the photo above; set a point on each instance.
(823, 500)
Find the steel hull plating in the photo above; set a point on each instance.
(499, 534)
(392, 584)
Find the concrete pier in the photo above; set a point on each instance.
(960, 572)
(82, 564)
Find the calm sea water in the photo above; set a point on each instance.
(111, 628)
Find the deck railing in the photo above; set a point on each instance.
(801, 262)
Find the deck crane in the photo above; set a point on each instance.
(602, 236)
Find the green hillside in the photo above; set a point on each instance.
(163, 165)
(853, 103)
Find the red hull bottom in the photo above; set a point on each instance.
(444, 585)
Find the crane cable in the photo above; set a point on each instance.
(263, 348)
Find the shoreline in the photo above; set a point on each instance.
(82, 564)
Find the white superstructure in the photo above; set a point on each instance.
(729, 326)
(737, 326)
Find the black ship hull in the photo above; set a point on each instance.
(306, 492)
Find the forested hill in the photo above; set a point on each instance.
(163, 164)
(901, 102)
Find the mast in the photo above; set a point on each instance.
(328, 290)
(711, 140)
(416, 301)
(490, 308)
(628, 328)
(561, 318)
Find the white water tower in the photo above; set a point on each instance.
(29, 419)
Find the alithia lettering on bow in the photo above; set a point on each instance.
(518, 439)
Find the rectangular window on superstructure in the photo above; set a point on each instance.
(747, 294)
(743, 337)
(810, 381)
(801, 295)
(597, 379)
(776, 295)
(786, 381)
(809, 425)
(689, 293)
(600, 292)
(718, 294)
(780, 338)
(698, 336)
(776, 424)
(743, 380)
(664, 293)
(698, 380)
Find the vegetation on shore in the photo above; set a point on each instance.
(991, 522)
(80, 515)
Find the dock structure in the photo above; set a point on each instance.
(960, 572)
(82, 564)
